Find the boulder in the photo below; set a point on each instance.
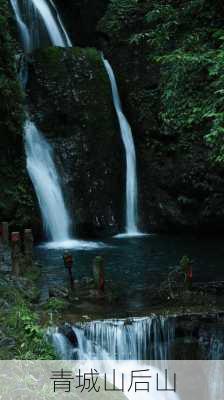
(69, 333)
(70, 101)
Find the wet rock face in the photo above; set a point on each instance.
(70, 100)
(69, 333)
(179, 188)
(16, 200)
(80, 18)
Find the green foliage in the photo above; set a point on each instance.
(120, 14)
(163, 21)
(190, 53)
(55, 305)
(184, 100)
(21, 324)
(11, 105)
(31, 342)
(77, 66)
(33, 273)
(186, 40)
(184, 263)
(15, 198)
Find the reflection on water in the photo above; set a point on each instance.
(135, 264)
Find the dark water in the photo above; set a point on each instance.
(137, 263)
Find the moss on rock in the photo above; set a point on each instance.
(16, 200)
(11, 106)
(70, 99)
(167, 57)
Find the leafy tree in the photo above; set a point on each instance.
(185, 38)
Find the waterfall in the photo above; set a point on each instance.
(67, 39)
(149, 338)
(55, 28)
(216, 348)
(44, 176)
(35, 18)
(62, 344)
(131, 173)
(132, 339)
(135, 339)
(23, 29)
(122, 346)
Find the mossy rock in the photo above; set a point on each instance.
(168, 61)
(71, 102)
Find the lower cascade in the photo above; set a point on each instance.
(148, 338)
(46, 182)
(134, 339)
(131, 172)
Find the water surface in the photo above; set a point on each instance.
(137, 265)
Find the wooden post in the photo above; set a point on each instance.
(28, 248)
(68, 263)
(5, 233)
(98, 273)
(16, 253)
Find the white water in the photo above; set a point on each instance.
(43, 173)
(54, 28)
(134, 339)
(91, 355)
(62, 344)
(147, 338)
(24, 32)
(131, 173)
(39, 17)
(74, 244)
(137, 342)
(107, 342)
(68, 41)
(34, 18)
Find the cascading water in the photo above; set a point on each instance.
(62, 346)
(121, 346)
(149, 338)
(43, 173)
(135, 339)
(131, 172)
(67, 39)
(39, 17)
(23, 29)
(55, 28)
(35, 18)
